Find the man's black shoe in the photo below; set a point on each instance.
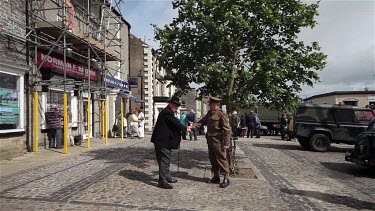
(225, 183)
(165, 185)
(215, 180)
(172, 180)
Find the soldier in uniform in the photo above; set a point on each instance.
(218, 140)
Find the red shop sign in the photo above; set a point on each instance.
(72, 68)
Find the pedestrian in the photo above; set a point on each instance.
(70, 136)
(242, 126)
(257, 126)
(141, 123)
(250, 123)
(167, 136)
(116, 126)
(184, 122)
(283, 126)
(192, 118)
(290, 129)
(133, 124)
(218, 141)
(234, 123)
(53, 119)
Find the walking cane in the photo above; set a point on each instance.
(178, 160)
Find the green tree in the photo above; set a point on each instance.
(245, 51)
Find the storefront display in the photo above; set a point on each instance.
(9, 102)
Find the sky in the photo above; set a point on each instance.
(345, 31)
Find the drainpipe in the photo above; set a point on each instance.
(27, 85)
(130, 104)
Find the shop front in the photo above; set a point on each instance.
(77, 76)
(12, 110)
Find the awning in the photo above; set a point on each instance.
(133, 98)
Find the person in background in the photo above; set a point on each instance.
(141, 118)
(133, 124)
(283, 126)
(234, 123)
(70, 136)
(243, 126)
(53, 119)
(184, 122)
(257, 126)
(250, 122)
(192, 118)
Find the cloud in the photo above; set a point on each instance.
(345, 31)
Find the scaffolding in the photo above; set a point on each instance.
(87, 32)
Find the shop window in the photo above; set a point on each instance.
(11, 102)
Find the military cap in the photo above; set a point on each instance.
(175, 101)
(214, 100)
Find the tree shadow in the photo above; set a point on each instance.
(143, 157)
(139, 176)
(280, 146)
(350, 169)
(332, 198)
(187, 176)
(299, 148)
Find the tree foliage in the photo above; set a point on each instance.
(246, 51)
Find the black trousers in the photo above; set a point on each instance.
(163, 156)
(250, 131)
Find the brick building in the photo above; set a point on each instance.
(13, 73)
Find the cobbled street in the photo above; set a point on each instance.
(123, 176)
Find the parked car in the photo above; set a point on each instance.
(316, 126)
(364, 148)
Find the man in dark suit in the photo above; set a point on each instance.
(250, 122)
(167, 136)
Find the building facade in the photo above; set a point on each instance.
(80, 48)
(355, 98)
(13, 74)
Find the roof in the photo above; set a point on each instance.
(341, 93)
(327, 106)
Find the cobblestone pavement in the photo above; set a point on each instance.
(123, 176)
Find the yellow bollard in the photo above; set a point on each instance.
(106, 121)
(65, 124)
(88, 122)
(103, 129)
(36, 122)
(122, 120)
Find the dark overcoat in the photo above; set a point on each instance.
(167, 131)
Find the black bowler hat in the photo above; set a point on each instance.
(175, 101)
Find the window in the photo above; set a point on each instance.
(363, 116)
(315, 114)
(183, 103)
(11, 102)
(346, 116)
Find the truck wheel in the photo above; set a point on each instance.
(304, 143)
(320, 142)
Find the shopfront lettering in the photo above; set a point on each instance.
(71, 68)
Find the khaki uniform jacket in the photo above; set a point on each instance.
(217, 123)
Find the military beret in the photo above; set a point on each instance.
(214, 100)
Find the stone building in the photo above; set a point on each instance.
(13, 74)
(355, 98)
(76, 47)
